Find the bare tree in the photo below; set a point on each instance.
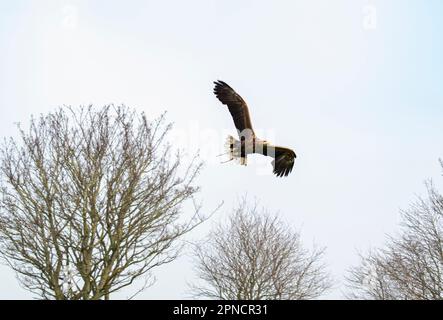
(411, 264)
(91, 200)
(255, 256)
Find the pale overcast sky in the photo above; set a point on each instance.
(354, 86)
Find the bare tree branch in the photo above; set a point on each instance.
(97, 190)
(411, 264)
(255, 257)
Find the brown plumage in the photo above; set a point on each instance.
(284, 158)
(236, 105)
(284, 161)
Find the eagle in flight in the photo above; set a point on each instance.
(249, 143)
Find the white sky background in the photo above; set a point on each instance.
(359, 100)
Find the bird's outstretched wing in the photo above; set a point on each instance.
(236, 105)
(284, 161)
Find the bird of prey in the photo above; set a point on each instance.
(249, 143)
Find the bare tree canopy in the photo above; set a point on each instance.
(411, 265)
(91, 200)
(255, 256)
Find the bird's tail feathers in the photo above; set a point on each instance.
(233, 150)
